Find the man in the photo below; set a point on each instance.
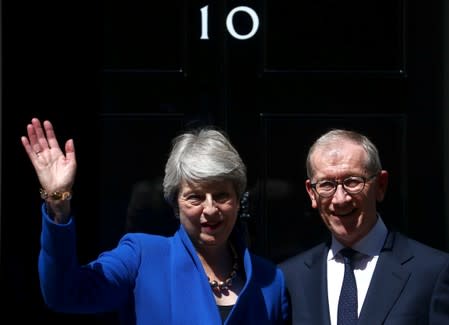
(397, 280)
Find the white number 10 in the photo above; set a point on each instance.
(230, 23)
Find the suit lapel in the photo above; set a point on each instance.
(318, 302)
(190, 280)
(388, 280)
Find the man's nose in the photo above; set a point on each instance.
(340, 194)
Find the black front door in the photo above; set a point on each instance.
(124, 77)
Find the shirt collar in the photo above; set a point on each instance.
(370, 245)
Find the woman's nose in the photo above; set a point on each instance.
(209, 205)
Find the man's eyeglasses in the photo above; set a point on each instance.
(352, 185)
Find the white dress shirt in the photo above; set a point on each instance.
(365, 261)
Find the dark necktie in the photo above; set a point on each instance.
(347, 304)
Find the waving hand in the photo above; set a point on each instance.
(55, 169)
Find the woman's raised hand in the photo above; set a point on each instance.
(55, 169)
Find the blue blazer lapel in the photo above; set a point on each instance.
(247, 298)
(190, 280)
(388, 280)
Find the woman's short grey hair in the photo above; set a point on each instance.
(202, 156)
(333, 137)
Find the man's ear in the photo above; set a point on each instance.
(311, 193)
(382, 184)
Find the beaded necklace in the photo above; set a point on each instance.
(227, 283)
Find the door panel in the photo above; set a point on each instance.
(327, 35)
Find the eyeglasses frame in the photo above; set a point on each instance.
(341, 182)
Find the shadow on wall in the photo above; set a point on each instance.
(148, 211)
(282, 209)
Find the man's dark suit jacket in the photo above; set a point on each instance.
(410, 285)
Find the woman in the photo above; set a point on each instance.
(203, 274)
